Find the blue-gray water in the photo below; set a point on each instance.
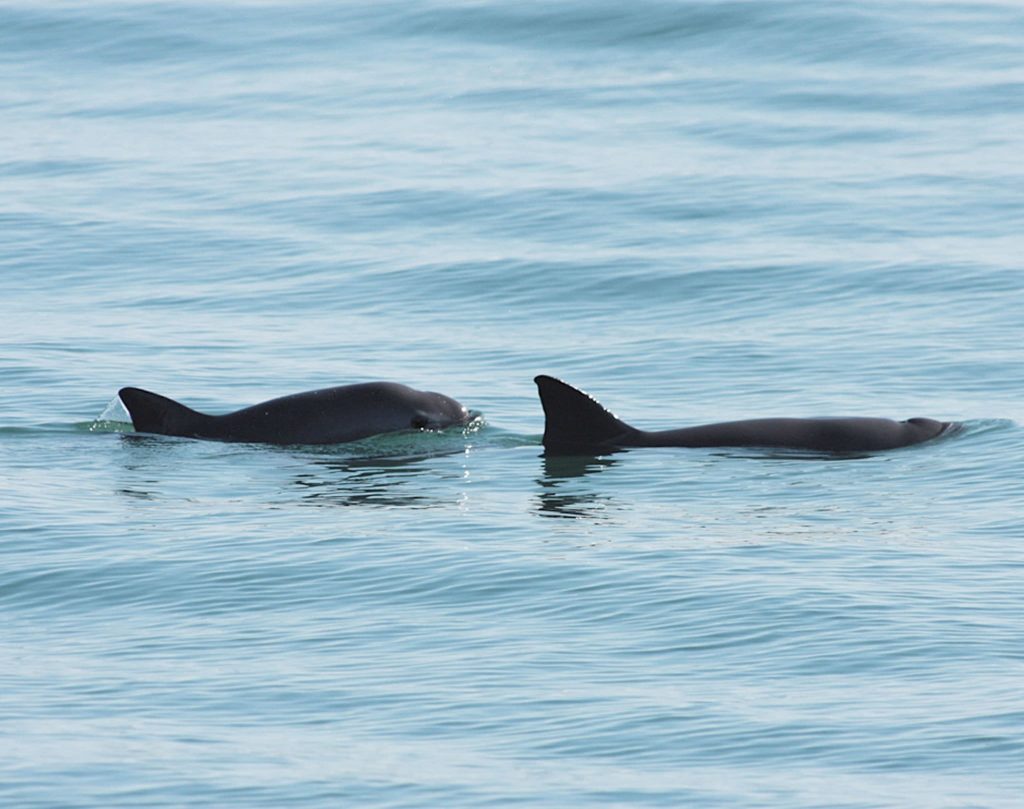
(694, 210)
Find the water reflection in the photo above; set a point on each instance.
(563, 490)
(404, 481)
(363, 474)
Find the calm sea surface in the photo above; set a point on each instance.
(695, 211)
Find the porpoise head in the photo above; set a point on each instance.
(929, 428)
(435, 411)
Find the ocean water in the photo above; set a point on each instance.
(695, 211)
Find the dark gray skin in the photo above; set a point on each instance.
(328, 416)
(576, 424)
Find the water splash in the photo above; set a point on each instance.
(113, 419)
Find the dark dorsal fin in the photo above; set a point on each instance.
(575, 423)
(153, 413)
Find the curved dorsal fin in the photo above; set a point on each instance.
(576, 423)
(153, 413)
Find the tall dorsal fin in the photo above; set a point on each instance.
(153, 413)
(574, 422)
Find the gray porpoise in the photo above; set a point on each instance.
(328, 416)
(576, 424)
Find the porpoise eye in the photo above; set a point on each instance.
(419, 422)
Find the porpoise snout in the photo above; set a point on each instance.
(930, 428)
